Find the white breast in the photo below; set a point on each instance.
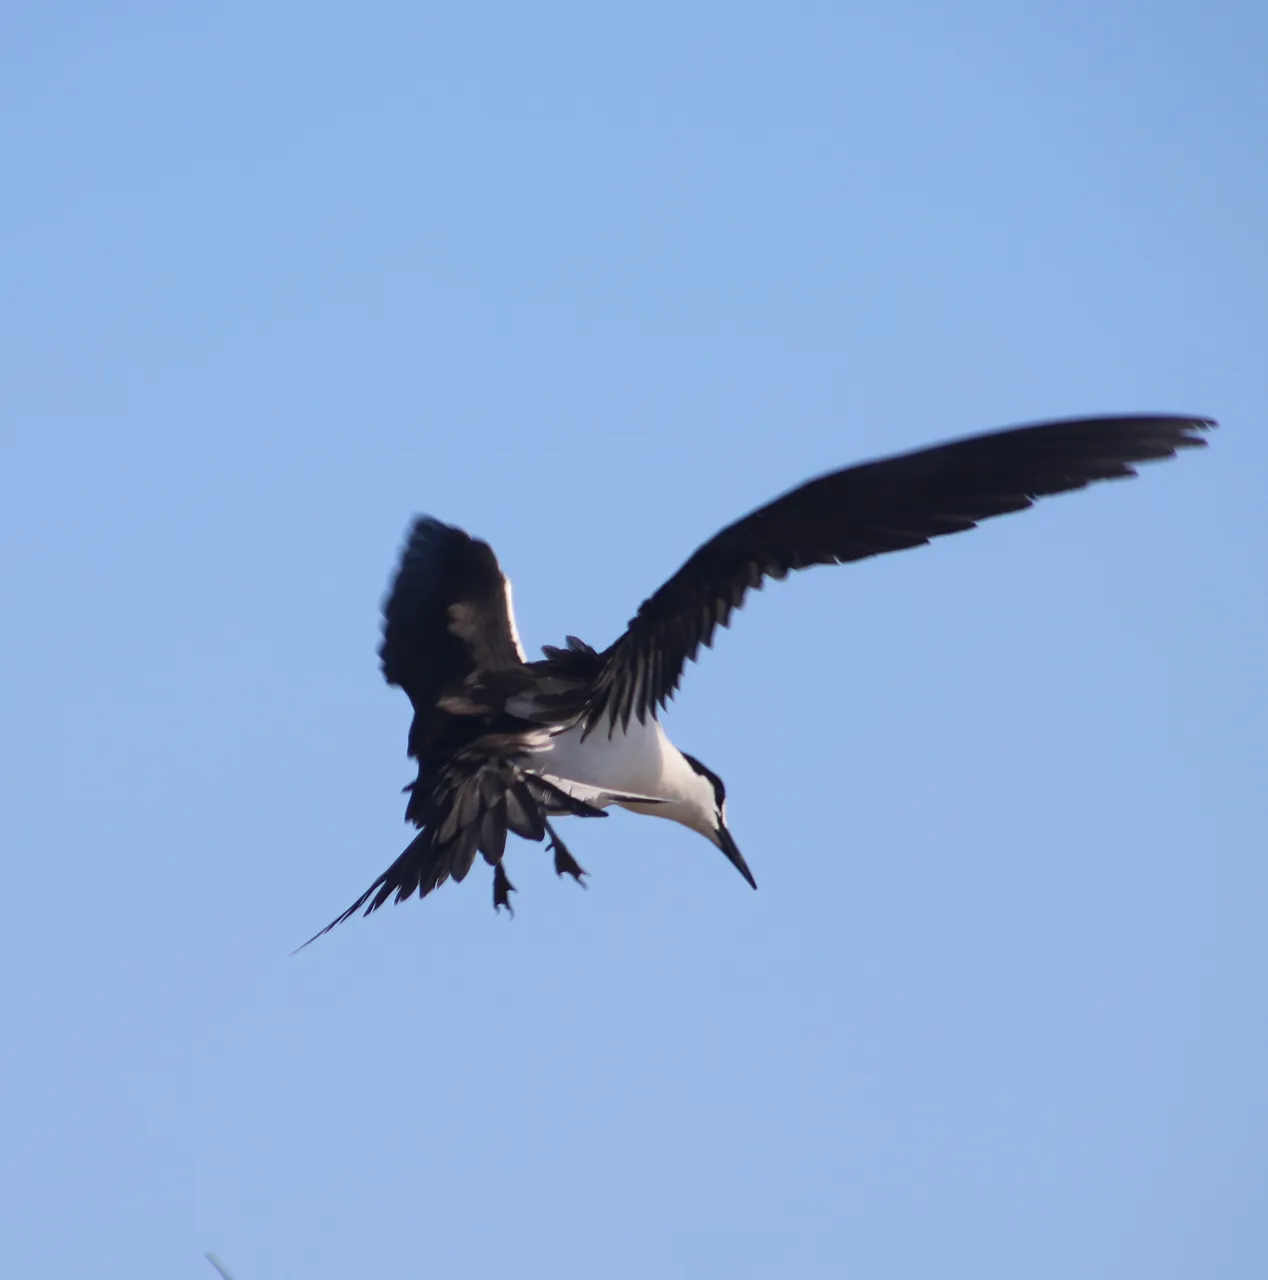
(640, 763)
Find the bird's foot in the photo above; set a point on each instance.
(565, 863)
(502, 889)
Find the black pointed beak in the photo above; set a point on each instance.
(734, 856)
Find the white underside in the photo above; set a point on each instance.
(640, 770)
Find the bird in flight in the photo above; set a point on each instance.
(505, 745)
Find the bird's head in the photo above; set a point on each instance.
(709, 816)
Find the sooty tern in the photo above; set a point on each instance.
(505, 745)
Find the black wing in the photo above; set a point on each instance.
(863, 511)
(448, 614)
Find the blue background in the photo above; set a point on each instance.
(592, 280)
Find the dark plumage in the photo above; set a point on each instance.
(863, 511)
(501, 742)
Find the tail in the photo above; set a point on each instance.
(468, 807)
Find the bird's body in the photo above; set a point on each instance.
(505, 745)
(636, 768)
(641, 762)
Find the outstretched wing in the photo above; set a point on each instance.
(448, 614)
(864, 511)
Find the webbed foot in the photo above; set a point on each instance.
(502, 889)
(565, 863)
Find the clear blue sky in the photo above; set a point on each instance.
(591, 280)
